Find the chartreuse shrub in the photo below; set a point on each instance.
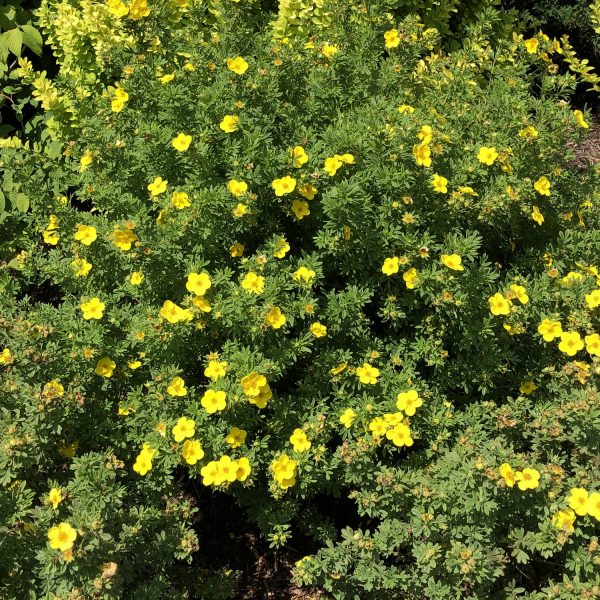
(353, 272)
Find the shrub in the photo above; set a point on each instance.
(358, 267)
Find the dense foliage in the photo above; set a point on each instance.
(340, 267)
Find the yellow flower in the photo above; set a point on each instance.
(499, 305)
(304, 274)
(123, 238)
(300, 441)
(593, 505)
(532, 45)
(308, 191)
(167, 78)
(237, 188)
(51, 237)
(285, 185)
(550, 329)
(210, 474)
(175, 314)
(529, 133)
(236, 437)
(253, 283)
(392, 38)
(580, 119)
(400, 435)
(410, 278)
(229, 124)
(157, 187)
(227, 470)
(408, 402)
(86, 160)
(390, 266)
(85, 234)
(452, 261)
(105, 367)
(117, 8)
(284, 471)
(507, 472)
(198, 283)
(238, 65)
(542, 186)
(92, 309)
(6, 358)
(332, 164)
(318, 329)
(593, 299)
(236, 250)
(405, 109)
(439, 184)
(240, 210)
(300, 209)
(81, 267)
(578, 501)
(426, 134)
(570, 343)
(487, 156)
(564, 519)
(367, 374)
(253, 383)
(527, 479)
(192, 451)
(592, 344)
(62, 537)
(213, 401)
(422, 154)
(53, 389)
(139, 9)
(184, 428)
(202, 303)
(281, 248)
(243, 469)
(55, 497)
(177, 387)
(275, 318)
(299, 156)
(519, 293)
(215, 370)
(329, 50)
(347, 418)
(143, 461)
(134, 364)
(136, 278)
(182, 142)
(527, 387)
(180, 200)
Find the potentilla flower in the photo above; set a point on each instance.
(367, 373)
(408, 402)
(452, 261)
(85, 234)
(318, 329)
(198, 283)
(216, 370)
(253, 283)
(62, 537)
(229, 124)
(300, 441)
(184, 428)
(392, 38)
(578, 501)
(439, 184)
(579, 118)
(192, 451)
(550, 329)
(285, 185)
(275, 318)
(214, 401)
(347, 418)
(237, 188)
(105, 367)
(487, 156)
(238, 65)
(300, 209)
(499, 305)
(177, 387)
(391, 266)
(182, 142)
(422, 154)
(92, 309)
(542, 186)
(157, 187)
(570, 343)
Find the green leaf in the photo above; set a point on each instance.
(32, 38)
(22, 202)
(2, 202)
(13, 40)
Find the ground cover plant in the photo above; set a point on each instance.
(343, 281)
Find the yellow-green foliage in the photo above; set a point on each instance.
(349, 287)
